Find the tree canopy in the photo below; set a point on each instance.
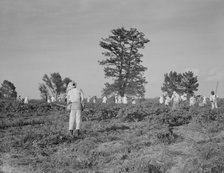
(181, 83)
(189, 82)
(44, 93)
(8, 90)
(123, 62)
(53, 85)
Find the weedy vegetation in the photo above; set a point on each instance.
(116, 138)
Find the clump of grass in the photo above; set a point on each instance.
(20, 122)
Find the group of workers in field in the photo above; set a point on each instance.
(175, 99)
(75, 103)
(115, 98)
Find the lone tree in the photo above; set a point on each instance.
(123, 63)
(8, 90)
(54, 85)
(181, 83)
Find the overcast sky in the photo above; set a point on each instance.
(40, 37)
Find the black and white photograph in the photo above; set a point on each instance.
(111, 86)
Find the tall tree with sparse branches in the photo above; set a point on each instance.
(123, 62)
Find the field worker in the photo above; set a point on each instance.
(125, 100)
(49, 99)
(94, 99)
(167, 100)
(26, 100)
(115, 99)
(204, 100)
(19, 98)
(200, 100)
(192, 100)
(104, 99)
(88, 99)
(161, 99)
(133, 101)
(184, 97)
(176, 100)
(75, 98)
(53, 99)
(119, 99)
(213, 100)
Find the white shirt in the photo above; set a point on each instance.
(213, 98)
(53, 99)
(161, 99)
(116, 99)
(192, 100)
(104, 99)
(184, 97)
(119, 99)
(175, 97)
(125, 100)
(26, 100)
(168, 100)
(133, 102)
(204, 100)
(75, 95)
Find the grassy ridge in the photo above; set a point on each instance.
(116, 138)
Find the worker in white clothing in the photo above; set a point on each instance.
(104, 99)
(26, 100)
(167, 100)
(125, 100)
(204, 100)
(119, 99)
(176, 100)
(192, 100)
(213, 100)
(75, 99)
(133, 101)
(161, 99)
(184, 97)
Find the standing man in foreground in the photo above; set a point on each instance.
(75, 99)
